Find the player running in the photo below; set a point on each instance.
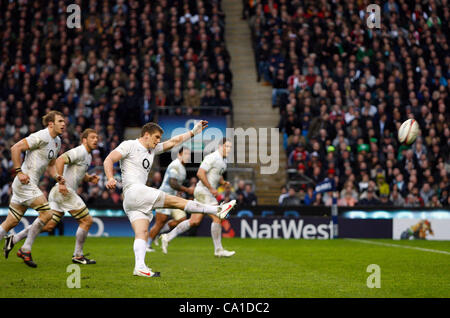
(210, 176)
(41, 149)
(172, 183)
(136, 159)
(73, 166)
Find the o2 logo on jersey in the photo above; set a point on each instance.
(146, 164)
(51, 154)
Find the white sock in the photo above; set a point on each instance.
(33, 232)
(79, 242)
(216, 234)
(165, 228)
(180, 228)
(139, 247)
(21, 235)
(197, 207)
(2, 232)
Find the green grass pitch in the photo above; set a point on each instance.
(260, 268)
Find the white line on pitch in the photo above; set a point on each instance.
(402, 246)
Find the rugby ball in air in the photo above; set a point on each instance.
(408, 131)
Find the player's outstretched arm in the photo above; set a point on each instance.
(16, 151)
(174, 141)
(108, 165)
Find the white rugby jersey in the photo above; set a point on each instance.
(79, 161)
(136, 162)
(215, 165)
(175, 170)
(43, 149)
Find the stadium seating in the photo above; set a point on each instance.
(291, 214)
(245, 213)
(267, 213)
(129, 62)
(343, 89)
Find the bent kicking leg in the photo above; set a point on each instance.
(190, 206)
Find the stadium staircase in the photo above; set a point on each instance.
(252, 101)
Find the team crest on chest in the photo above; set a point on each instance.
(146, 163)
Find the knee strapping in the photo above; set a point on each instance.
(81, 214)
(57, 218)
(42, 208)
(17, 214)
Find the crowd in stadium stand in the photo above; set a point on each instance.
(343, 89)
(130, 60)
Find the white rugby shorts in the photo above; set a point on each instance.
(24, 194)
(204, 196)
(139, 201)
(62, 203)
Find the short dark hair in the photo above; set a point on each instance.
(50, 117)
(183, 149)
(151, 128)
(223, 141)
(86, 133)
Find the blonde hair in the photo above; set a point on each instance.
(86, 133)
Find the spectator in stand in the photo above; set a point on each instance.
(292, 199)
(434, 202)
(105, 199)
(225, 102)
(396, 198)
(384, 200)
(227, 195)
(284, 194)
(249, 196)
(426, 193)
(310, 196)
(240, 187)
(370, 198)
